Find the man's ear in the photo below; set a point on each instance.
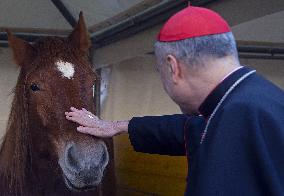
(173, 67)
(80, 36)
(23, 52)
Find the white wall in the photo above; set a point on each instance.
(272, 70)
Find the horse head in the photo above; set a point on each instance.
(55, 75)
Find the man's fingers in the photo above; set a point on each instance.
(72, 118)
(72, 114)
(74, 109)
(77, 112)
(92, 131)
(76, 119)
(88, 113)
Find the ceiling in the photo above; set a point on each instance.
(31, 19)
(45, 15)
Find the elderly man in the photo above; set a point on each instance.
(232, 126)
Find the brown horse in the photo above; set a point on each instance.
(42, 153)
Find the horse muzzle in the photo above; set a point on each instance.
(83, 165)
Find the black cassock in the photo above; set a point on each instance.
(243, 150)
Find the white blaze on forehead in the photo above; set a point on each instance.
(67, 69)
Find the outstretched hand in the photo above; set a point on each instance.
(91, 124)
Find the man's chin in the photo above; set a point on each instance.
(188, 111)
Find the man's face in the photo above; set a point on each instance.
(176, 86)
(165, 78)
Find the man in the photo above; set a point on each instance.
(232, 126)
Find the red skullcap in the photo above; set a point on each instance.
(192, 22)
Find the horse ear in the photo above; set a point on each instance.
(22, 50)
(80, 36)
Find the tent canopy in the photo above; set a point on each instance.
(31, 19)
(112, 20)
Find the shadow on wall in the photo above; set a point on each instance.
(8, 79)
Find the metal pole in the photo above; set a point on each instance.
(65, 12)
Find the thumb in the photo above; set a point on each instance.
(91, 131)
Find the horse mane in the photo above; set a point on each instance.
(15, 148)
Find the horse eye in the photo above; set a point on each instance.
(34, 87)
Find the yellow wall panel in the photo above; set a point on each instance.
(128, 159)
(151, 184)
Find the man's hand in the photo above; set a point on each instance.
(91, 124)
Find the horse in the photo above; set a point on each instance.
(42, 153)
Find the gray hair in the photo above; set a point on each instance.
(193, 50)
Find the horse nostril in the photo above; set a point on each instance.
(104, 158)
(72, 158)
(85, 159)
